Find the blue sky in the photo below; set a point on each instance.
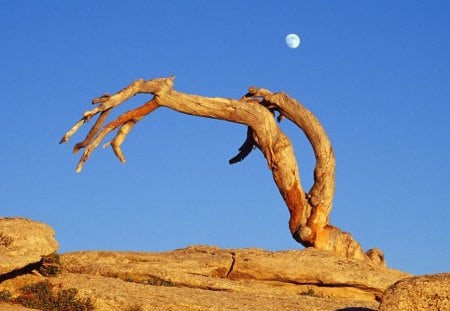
(376, 74)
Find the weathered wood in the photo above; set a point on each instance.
(309, 212)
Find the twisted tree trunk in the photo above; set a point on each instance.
(309, 212)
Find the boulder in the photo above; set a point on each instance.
(111, 294)
(308, 272)
(427, 292)
(24, 242)
(193, 278)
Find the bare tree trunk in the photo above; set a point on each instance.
(309, 212)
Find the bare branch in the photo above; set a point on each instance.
(126, 122)
(94, 130)
(245, 149)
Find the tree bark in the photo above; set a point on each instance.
(309, 212)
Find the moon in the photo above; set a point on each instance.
(292, 40)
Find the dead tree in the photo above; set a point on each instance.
(309, 211)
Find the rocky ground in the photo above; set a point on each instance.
(200, 278)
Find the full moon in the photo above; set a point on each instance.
(292, 41)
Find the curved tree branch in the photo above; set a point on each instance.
(245, 149)
(309, 212)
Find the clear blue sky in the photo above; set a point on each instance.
(375, 73)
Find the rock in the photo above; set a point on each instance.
(11, 307)
(111, 294)
(376, 255)
(308, 272)
(427, 292)
(24, 242)
(320, 271)
(193, 278)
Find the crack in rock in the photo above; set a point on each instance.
(233, 261)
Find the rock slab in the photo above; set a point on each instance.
(211, 278)
(427, 292)
(24, 242)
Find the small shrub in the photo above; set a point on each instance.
(51, 265)
(309, 292)
(154, 281)
(5, 241)
(42, 296)
(5, 295)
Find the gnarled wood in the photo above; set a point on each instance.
(309, 212)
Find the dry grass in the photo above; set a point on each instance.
(44, 296)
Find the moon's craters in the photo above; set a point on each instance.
(293, 40)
